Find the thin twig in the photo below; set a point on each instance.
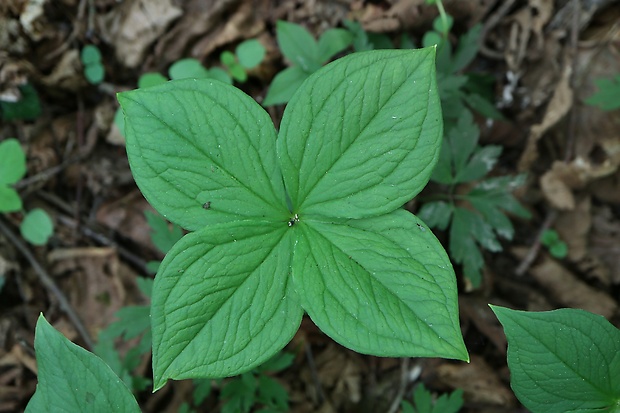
(491, 22)
(49, 283)
(402, 388)
(108, 242)
(315, 375)
(532, 253)
(572, 114)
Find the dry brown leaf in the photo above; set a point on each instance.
(573, 228)
(480, 382)
(558, 107)
(567, 290)
(94, 286)
(134, 25)
(243, 24)
(67, 74)
(126, 216)
(605, 241)
(199, 20)
(558, 183)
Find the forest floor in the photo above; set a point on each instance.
(544, 60)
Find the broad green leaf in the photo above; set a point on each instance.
(37, 227)
(284, 85)
(298, 45)
(332, 42)
(187, 69)
(9, 199)
(12, 161)
(561, 361)
(73, 380)
(381, 285)
(194, 143)
(223, 301)
(373, 154)
(250, 53)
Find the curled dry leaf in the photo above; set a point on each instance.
(132, 27)
(564, 288)
(558, 107)
(479, 381)
(559, 182)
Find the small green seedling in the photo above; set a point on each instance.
(608, 95)
(27, 107)
(423, 402)
(163, 235)
(557, 247)
(132, 322)
(254, 388)
(248, 55)
(562, 361)
(476, 218)
(306, 56)
(289, 224)
(364, 41)
(36, 226)
(91, 60)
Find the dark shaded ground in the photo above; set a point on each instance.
(544, 59)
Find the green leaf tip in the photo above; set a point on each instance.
(305, 219)
(580, 352)
(74, 380)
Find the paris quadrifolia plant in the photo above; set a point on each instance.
(307, 219)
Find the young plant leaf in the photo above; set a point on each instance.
(284, 85)
(223, 301)
(37, 227)
(13, 165)
(561, 361)
(332, 42)
(298, 45)
(191, 143)
(73, 380)
(373, 154)
(12, 169)
(250, 53)
(380, 285)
